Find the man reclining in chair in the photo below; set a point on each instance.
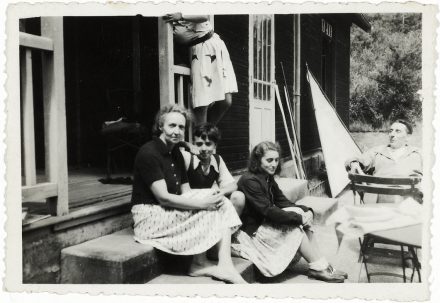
(396, 159)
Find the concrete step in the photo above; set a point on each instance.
(244, 267)
(115, 258)
(118, 259)
(293, 189)
(323, 207)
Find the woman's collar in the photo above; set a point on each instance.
(162, 146)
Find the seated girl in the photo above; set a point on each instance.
(275, 231)
(208, 170)
(165, 213)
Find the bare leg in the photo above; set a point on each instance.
(200, 114)
(307, 250)
(219, 108)
(238, 200)
(313, 242)
(201, 266)
(225, 268)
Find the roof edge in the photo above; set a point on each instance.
(362, 22)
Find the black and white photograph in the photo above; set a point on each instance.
(151, 149)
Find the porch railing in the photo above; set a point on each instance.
(53, 190)
(172, 77)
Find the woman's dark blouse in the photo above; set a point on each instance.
(154, 162)
(264, 203)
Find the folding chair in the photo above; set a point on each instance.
(361, 184)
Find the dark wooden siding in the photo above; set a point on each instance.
(310, 54)
(342, 72)
(283, 53)
(311, 48)
(234, 146)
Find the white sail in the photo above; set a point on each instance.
(336, 142)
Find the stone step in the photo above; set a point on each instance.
(116, 258)
(293, 189)
(244, 267)
(323, 207)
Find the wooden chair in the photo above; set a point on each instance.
(361, 184)
(124, 131)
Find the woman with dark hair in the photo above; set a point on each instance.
(208, 169)
(275, 231)
(167, 215)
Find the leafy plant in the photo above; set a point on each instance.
(386, 70)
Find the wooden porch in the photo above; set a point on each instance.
(84, 191)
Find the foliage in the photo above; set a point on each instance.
(386, 69)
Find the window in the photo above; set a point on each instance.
(262, 57)
(327, 59)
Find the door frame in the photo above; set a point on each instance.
(252, 101)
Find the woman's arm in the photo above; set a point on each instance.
(258, 200)
(185, 188)
(282, 201)
(160, 191)
(190, 18)
(187, 158)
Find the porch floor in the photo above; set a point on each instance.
(85, 189)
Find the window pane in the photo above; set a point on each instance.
(269, 43)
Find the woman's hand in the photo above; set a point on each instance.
(172, 17)
(192, 148)
(307, 218)
(213, 202)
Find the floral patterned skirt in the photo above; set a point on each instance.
(182, 232)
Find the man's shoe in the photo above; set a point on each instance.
(338, 272)
(326, 275)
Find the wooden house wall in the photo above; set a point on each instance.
(283, 54)
(311, 48)
(99, 53)
(310, 54)
(342, 64)
(234, 146)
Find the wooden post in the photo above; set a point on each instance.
(27, 96)
(136, 65)
(297, 74)
(180, 97)
(78, 76)
(166, 63)
(55, 114)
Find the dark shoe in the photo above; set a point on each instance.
(339, 272)
(326, 275)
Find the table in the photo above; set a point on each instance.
(409, 236)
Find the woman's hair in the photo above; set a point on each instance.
(207, 131)
(408, 125)
(258, 153)
(166, 109)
